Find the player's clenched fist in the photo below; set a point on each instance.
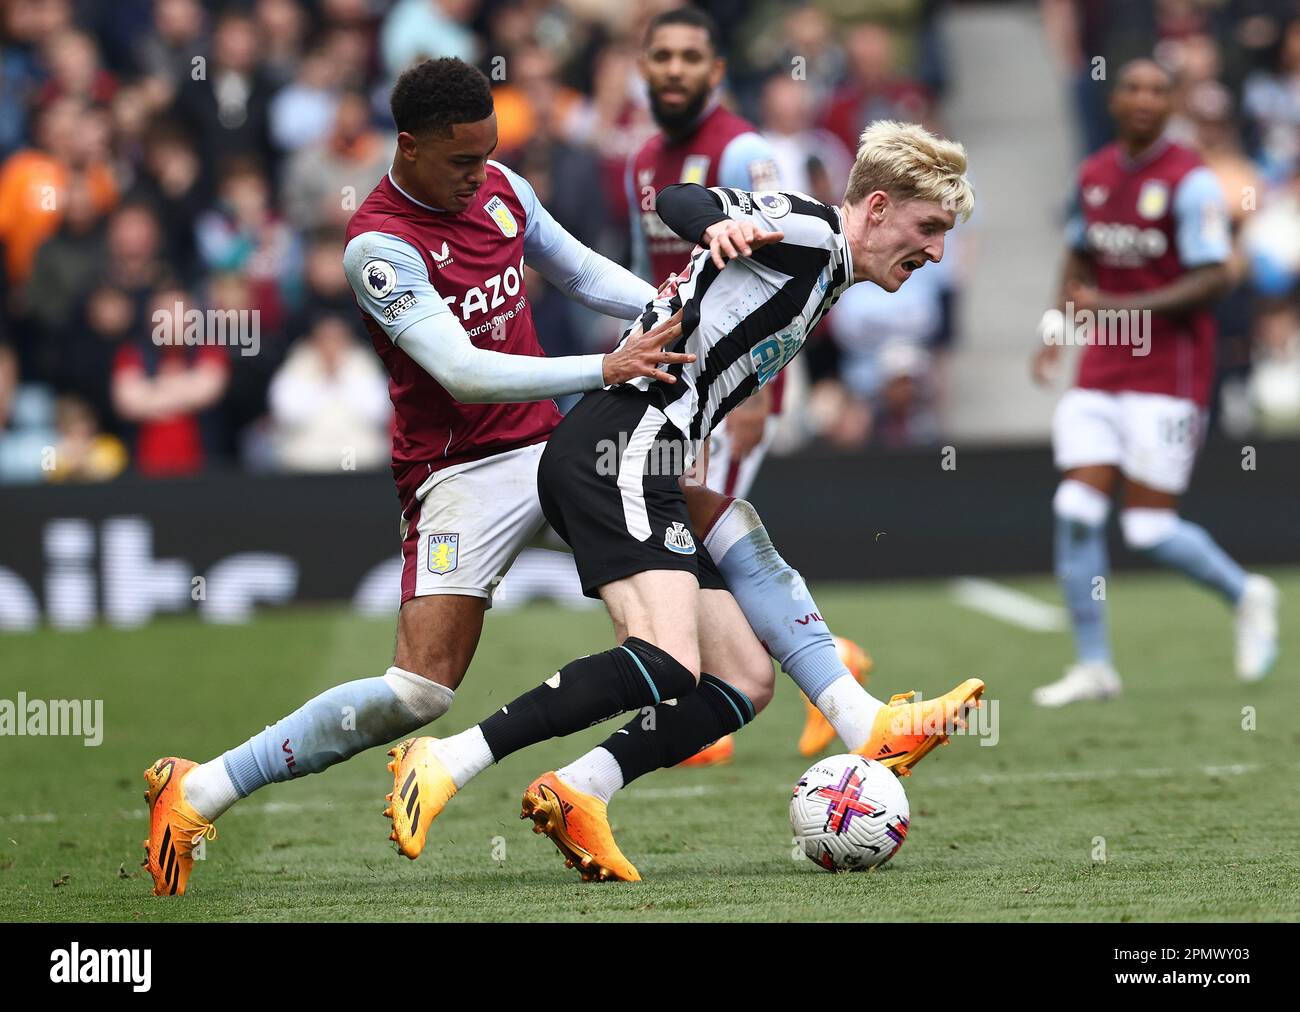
(729, 239)
(642, 354)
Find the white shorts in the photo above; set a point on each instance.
(469, 522)
(725, 475)
(1152, 438)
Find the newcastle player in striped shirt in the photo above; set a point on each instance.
(770, 266)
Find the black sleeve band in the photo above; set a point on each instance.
(688, 209)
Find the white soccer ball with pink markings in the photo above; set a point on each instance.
(849, 813)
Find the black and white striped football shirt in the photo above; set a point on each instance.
(744, 323)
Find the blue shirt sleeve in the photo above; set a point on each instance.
(1201, 220)
(391, 282)
(748, 163)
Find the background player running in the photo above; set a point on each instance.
(1149, 234)
(629, 526)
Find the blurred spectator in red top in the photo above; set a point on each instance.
(874, 89)
(165, 390)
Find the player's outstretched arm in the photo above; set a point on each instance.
(391, 283)
(697, 215)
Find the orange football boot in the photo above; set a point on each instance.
(904, 732)
(421, 789)
(718, 754)
(578, 825)
(817, 730)
(175, 828)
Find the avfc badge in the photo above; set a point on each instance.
(496, 207)
(1153, 199)
(678, 539)
(443, 553)
(695, 169)
(380, 277)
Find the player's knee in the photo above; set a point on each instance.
(672, 672)
(437, 659)
(1080, 503)
(760, 691)
(754, 676)
(1144, 529)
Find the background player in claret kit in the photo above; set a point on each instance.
(435, 258)
(1149, 233)
(701, 141)
(792, 257)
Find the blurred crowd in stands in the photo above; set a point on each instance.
(206, 154)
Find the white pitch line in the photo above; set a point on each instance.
(702, 790)
(997, 601)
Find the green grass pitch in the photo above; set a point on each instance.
(1197, 815)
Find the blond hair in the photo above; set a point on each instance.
(910, 163)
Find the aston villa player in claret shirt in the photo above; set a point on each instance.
(1147, 252)
(435, 257)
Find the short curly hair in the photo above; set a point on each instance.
(437, 94)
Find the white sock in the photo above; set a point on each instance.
(209, 789)
(850, 708)
(597, 773)
(465, 755)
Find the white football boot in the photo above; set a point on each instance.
(1083, 681)
(1256, 628)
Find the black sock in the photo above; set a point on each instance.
(670, 734)
(585, 692)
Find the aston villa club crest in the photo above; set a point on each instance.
(496, 207)
(695, 169)
(1153, 199)
(1095, 196)
(443, 553)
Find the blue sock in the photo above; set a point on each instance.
(1081, 556)
(336, 725)
(1191, 550)
(775, 600)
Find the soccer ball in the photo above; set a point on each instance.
(849, 813)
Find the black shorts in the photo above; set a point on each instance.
(608, 484)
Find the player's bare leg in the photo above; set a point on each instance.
(1151, 525)
(437, 634)
(569, 805)
(657, 658)
(1080, 506)
(436, 639)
